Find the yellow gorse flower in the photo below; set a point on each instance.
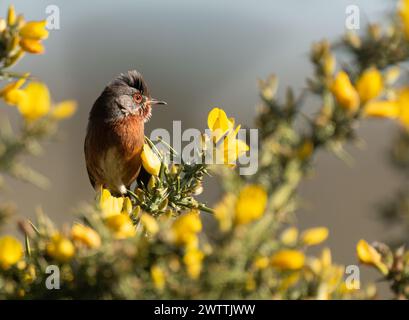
(121, 225)
(382, 109)
(193, 261)
(32, 46)
(85, 235)
(219, 123)
(60, 248)
(34, 101)
(31, 34)
(261, 263)
(232, 147)
(11, 251)
(368, 255)
(314, 236)
(224, 137)
(289, 237)
(185, 229)
(150, 160)
(35, 30)
(158, 277)
(369, 84)
(403, 103)
(224, 211)
(287, 259)
(11, 16)
(344, 92)
(63, 110)
(251, 204)
(111, 205)
(149, 223)
(11, 93)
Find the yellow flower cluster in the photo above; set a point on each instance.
(367, 91)
(34, 101)
(20, 36)
(248, 206)
(369, 86)
(185, 229)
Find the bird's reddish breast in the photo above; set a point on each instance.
(130, 132)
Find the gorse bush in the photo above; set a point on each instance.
(151, 244)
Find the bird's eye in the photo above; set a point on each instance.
(137, 97)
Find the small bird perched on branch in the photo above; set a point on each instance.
(115, 133)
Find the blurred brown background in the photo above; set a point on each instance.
(196, 55)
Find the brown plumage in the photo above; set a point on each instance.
(115, 133)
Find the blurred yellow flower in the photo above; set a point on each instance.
(185, 229)
(403, 103)
(63, 110)
(11, 16)
(251, 204)
(344, 92)
(60, 248)
(193, 261)
(150, 160)
(289, 237)
(11, 93)
(36, 102)
(287, 259)
(149, 223)
(121, 225)
(382, 109)
(369, 84)
(368, 255)
(35, 30)
(32, 46)
(261, 263)
(11, 251)
(224, 211)
(314, 236)
(158, 277)
(85, 235)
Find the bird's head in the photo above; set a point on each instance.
(129, 96)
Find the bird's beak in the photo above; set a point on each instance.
(153, 101)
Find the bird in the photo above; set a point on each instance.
(115, 133)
